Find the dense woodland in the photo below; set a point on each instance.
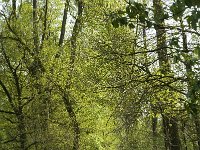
(99, 75)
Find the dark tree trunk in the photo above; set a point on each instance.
(66, 92)
(64, 20)
(170, 129)
(170, 126)
(174, 136)
(14, 7)
(75, 32)
(191, 92)
(44, 23)
(17, 107)
(154, 131)
(197, 126)
(35, 28)
(166, 132)
(22, 130)
(72, 116)
(184, 137)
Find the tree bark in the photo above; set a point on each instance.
(22, 130)
(166, 131)
(17, 107)
(37, 67)
(35, 28)
(174, 136)
(64, 20)
(66, 92)
(170, 126)
(154, 131)
(184, 135)
(14, 7)
(75, 32)
(72, 115)
(191, 92)
(44, 23)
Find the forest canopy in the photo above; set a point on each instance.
(100, 74)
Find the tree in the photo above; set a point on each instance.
(90, 74)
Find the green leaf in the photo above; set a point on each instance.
(165, 16)
(146, 13)
(194, 25)
(120, 12)
(191, 3)
(132, 11)
(197, 51)
(115, 23)
(123, 21)
(188, 3)
(177, 9)
(5, 1)
(149, 24)
(193, 20)
(131, 25)
(139, 6)
(176, 58)
(174, 42)
(119, 21)
(142, 18)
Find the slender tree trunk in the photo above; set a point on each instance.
(174, 136)
(22, 130)
(63, 29)
(166, 131)
(191, 92)
(66, 93)
(184, 136)
(72, 115)
(17, 107)
(64, 20)
(75, 32)
(197, 125)
(44, 24)
(35, 28)
(14, 7)
(42, 112)
(172, 140)
(154, 131)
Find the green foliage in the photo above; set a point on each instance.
(193, 20)
(111, 75)
(197, 51)
(133, 10)
(175, 42)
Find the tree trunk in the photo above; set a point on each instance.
(75, 32)
(184, 136)
(14, 7)
(42, 112)
(170, 126)
(62, 32)
(44, 24)
(166, 131)
(75, 124)
(66, 92)
(174, 136)
(197, 127)
(154, 131)
(22, 130)
(17, 107)
(191, 92)
(63, 29)
(35, 28)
